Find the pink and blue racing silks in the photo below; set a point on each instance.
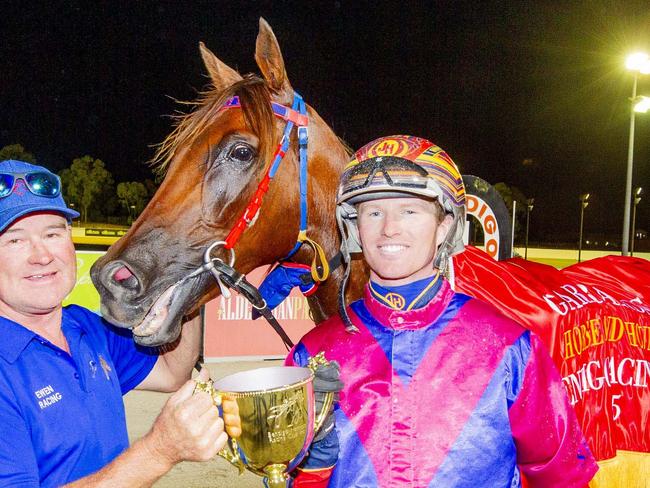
(452, 394)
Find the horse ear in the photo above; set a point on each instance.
(221, 75)
(269, 59)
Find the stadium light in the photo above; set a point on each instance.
(638, 63)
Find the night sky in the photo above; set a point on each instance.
(533, 93)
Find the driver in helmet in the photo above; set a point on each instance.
(440, 388)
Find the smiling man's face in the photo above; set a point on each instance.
(399, 237)
(38, 265)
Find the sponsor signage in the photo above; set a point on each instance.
(230, 331)
(105, 232)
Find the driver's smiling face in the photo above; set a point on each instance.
(399, 238)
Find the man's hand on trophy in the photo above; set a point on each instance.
(231, 416)
(189, 427)
(326, 380)
(229, 407)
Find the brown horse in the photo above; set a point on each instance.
(213, 162)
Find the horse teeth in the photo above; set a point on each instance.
(157, 314)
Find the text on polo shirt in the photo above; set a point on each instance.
(47, 396)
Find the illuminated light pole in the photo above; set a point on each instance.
(584, 201)
(638, 63)
(529, 208)
(637, 199)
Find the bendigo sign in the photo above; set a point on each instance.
(486, 205)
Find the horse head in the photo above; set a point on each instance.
(213, 163)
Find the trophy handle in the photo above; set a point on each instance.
(230, 451)
(314, 362)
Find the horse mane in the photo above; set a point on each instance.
(255, 99)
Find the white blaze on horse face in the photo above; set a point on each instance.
(39, 266)
(399, 238)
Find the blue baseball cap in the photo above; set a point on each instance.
(21, 201)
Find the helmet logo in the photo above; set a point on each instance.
(388, 147)
(396, 300)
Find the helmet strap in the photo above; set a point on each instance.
(343, 311)
(346, 261)
(444, 250)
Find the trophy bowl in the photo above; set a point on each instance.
(278, 419)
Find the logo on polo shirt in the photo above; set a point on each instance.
(47, 396)
(106, 368)
(104, 364)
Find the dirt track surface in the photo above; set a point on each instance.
(142, 409)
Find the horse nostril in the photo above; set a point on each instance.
(124, 277)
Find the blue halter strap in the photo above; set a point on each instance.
(296, 115)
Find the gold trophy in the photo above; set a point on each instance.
(278, 418)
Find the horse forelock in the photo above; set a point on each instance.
(255, 99)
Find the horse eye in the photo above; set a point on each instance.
(242, 153)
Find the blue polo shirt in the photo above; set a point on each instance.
(62, 415)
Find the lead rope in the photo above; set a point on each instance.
(229, 278)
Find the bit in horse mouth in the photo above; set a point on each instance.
(156, 315)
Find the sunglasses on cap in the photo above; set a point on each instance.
(40, 183)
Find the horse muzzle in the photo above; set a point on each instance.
(154, 318)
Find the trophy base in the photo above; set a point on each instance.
(275, 477)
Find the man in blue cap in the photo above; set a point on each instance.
(63, 370)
